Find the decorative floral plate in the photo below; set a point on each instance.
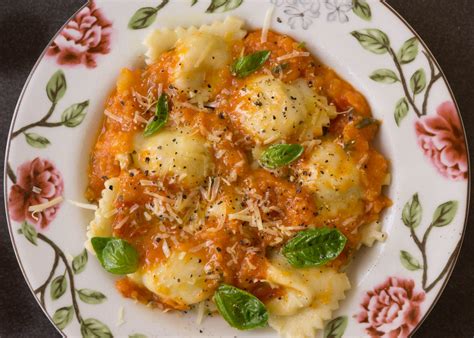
(394, 284)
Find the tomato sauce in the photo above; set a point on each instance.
(295, 207)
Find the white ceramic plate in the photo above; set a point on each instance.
(366, 42)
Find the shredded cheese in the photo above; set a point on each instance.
(121, 223)
(43, 206)
(36, 190)
(121, 319)
(112, 116)
(166, 248)
(82, 205)
(200, 313)
(291, 55)
(266, 24)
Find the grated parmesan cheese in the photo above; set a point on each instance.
(36, 190)
(112, 116)
(166, 248)
(121, 223)
(121, 320)
(43, 206)
(82, 205)
(266, 24)
(200, 313)
(291, 55)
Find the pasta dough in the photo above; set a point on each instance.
(310, 296)
(271, 110)
(179, 280)
(179, 154)
(332, 175)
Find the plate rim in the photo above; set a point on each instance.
(402, 20)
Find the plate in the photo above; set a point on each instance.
(395, 283)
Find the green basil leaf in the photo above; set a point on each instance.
(36, 140)
(240, 309)
(161, 116)
(116, 255)
(401, 110)
(445, 213)
(418, 81)
(58, 287)
(384, 76)
(374, 40)
(362, 9)
(137, 335)
(91, 297)
(336, 327)
(75, 114)
(56, 87)
(365, 122)
(79, 262)
(409, 51)
(248, 64)
(93, 328)
(408, 261)
(63, 316)
(411, 214)
(29, 232)
(314, 247)
(143, 18)
(279, 155)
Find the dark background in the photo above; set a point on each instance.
(26, 26)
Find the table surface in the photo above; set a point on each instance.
(26, 27)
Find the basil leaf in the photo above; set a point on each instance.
(279, 155)
(240, 309)
(115, 255)
(314, 247)
(248, 64)
(161, 116)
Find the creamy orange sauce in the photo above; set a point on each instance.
(295, 205)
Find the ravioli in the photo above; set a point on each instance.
(270, 110)
(196, 200)
(201, 55)
(175, 153)
(309, 297)
(334, 178)
(179, 280)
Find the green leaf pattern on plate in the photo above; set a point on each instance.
(29, 232)
(412, 216)
(408, 261)
(401, 110)
(79, 262)
(412, 212)
(63, 316)
(36, 140)
(444, 214)
(336, 327)
(91, 297)
(408, 51)
(56, 87)
(362, 9)
(384, 76)
(418, 81)
(93, 328)
(75, 114)
(58, 287)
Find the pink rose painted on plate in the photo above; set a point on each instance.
(392, 309)
(83, 38)
(38, 182)
(441, 138)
